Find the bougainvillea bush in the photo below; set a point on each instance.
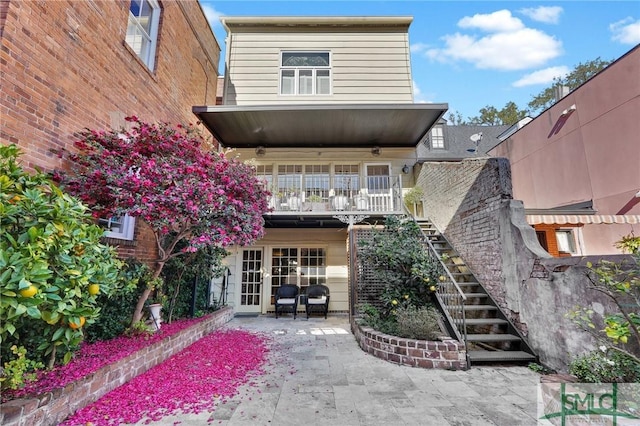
(191, 381)
(162, 175)
(52, 266)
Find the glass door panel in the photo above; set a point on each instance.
(251, 281)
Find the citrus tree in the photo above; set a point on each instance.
(162, 175)
(52, 264)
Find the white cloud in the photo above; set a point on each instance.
(626, 31)
(500, 21)
(546, 14)
(544, 76)
(509, 46)
(418, 47)
(418, 96)
(213, 16)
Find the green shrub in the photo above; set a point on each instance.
(116, 309)
(605, 366)
(419, 323)
(371, 316)
(19, 370)
(179, 275)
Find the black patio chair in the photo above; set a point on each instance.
(286, 299)
(317, 299)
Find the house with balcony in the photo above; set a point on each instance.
(323, 106)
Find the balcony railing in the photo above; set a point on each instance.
(380, 194)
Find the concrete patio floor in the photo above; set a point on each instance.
(318, 375)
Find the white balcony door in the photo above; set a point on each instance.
(378, 178)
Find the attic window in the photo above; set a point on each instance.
(437, 137)
(305, 73)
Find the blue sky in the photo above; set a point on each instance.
(471, 54)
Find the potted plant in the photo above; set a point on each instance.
(293, 201)
(413, 198)
(155, 304)
(315, 202)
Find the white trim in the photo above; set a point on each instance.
(128, 226)
(147, 55)
(296, 74)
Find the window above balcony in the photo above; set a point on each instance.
(305, 73)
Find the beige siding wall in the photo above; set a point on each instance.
(367, 67)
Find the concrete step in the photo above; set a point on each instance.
(498, 356)
(486, 321)
(480, 308)
(478, 295)
(490, 338)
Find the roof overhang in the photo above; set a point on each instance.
(328, 125)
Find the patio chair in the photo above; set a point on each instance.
(317, 299)
(286, 299)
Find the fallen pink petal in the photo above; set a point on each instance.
(188, 382)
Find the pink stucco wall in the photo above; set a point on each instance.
(594, 156)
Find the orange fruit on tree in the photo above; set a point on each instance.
(94, 289)
(75, 326)
(29, 291)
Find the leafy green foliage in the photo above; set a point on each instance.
(620, 282)
(605, 366)
(580, 74)
(19, 370)
(508, 115)
(180, 274)
(50, 253)
(116, 309)
(398, 257)
(419, 323)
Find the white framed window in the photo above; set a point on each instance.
(121, 227)
(437, 137)
(142, 30)
(566, 241)
(305, 73)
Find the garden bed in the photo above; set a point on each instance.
(445, 354)
(52, 407)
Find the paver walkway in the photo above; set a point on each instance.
(319, 376)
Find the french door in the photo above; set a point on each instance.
(250, 293)
(379, 187)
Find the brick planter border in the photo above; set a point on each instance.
(53, 407)
(446, 354)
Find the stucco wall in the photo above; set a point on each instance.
(470, 202)
(555, 288)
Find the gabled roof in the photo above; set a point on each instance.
(458, 143)
(322, 125)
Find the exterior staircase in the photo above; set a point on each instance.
(473, 315)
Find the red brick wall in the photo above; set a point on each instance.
(66, 67)
(447, 354)
(53, 407)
